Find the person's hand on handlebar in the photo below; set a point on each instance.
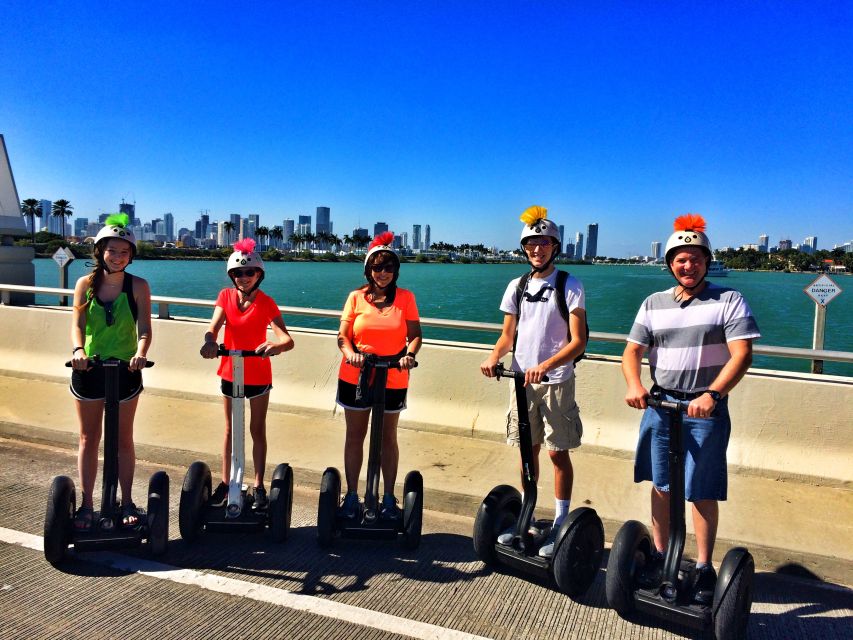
(407, 362)
(355, 359)
(209, 349)
(137, 362)
(701, 407)
(636, 396)
(79, 360)
(487, 367)
(535, 374)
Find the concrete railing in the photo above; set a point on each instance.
(785, 424)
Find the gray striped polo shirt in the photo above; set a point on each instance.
(687, 340)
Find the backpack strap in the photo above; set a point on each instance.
(127, 289)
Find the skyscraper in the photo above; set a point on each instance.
(324, 224)
(416, 237)
(379, 227)
(427, 243)
(784, 245)
(304, 225)
(591, 241)
(763, 243)
(80, 225)
(811, 243)
(201, 226)
(562, 230)
(169, 221)
(288, 228)
(656, 250)
(46, 207)
(578, 246)
(130, 210)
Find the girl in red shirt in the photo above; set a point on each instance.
(246, 312)
(382, 319)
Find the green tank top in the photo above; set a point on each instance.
(111, 327)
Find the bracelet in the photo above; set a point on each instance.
(411, 355)
(76, 349)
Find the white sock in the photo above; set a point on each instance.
(562, 509)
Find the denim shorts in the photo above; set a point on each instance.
(705, 441)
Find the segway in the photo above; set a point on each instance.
(238, 514)
(367, 523)
(579, 541)
(632, 584)
(107, 530)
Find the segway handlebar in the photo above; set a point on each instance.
(672, 405)
(96, 361)
(243, 353)
(509, 373)
(387, 362)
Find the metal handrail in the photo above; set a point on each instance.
(164, 302)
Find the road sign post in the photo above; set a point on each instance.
(823, 290)
(63, 257)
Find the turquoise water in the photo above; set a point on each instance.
(473, 292)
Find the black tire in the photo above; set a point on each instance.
(330, 497)
(281, 502)
(59, 519)
(733, 595)
(631, 550)
(578, 558)
(498, 511)
(195, 493)
(413, 509)
(158, 513)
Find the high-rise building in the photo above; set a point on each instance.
(784, 245)
(656, 250)
(130, 210)
(591, 241)
(569, 249)
(80, 225)
(201, 226)
(379, 227)
(288, 228)
(169, 221)
(254, 223)
(764, 243)
(303, 225)
(811, 243)
(427, 241)
(404, 239)
(416, 237)
(324, 224)
(578, 246)
(562, 229)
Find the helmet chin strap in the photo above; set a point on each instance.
(685, 289)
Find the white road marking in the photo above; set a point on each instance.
(259, 592)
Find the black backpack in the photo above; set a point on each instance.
(562, 278)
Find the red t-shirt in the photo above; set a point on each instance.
(246, 330)
(379, 331)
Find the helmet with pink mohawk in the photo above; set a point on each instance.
(245, 256)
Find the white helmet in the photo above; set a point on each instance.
(117, 226)
(689, 232)
(536, 224)
(382, 242)
(244, 256)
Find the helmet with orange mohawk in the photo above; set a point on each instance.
(689, 232)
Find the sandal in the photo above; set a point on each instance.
(83, 518)
(129, 515)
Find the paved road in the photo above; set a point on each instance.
(247, 587)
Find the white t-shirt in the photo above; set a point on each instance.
(542, 331)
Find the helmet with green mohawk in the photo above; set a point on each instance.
(116, 226)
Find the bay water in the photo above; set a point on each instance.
(473, 292)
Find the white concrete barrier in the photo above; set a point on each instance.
(786, 425)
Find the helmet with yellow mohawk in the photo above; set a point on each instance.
(537, 225)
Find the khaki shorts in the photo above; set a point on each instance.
(554, 416)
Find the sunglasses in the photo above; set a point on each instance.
(387, 268)
(538, 242)
(244, 273)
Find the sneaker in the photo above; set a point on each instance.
(547, 549)
(389, 509)
(220, 496)
(261, 501)
(536, 530)
(706, 580)
(350, 506)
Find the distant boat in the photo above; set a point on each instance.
(717, 269)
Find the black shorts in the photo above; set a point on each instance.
(395, 399)
(90, 385)
(249, 390)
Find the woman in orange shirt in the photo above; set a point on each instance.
(379, 318)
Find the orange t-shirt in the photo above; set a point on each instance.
(246, 330)
(379, 331)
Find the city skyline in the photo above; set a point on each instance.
(460, 115)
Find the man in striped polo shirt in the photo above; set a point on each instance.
(699, 341)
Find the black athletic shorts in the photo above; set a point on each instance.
(395, 399)
(249, 390)
(89, 385)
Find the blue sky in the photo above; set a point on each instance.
(458, 115)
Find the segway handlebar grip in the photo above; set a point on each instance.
(660, 403)
(243, 353)
(97, 362)
(500, 372)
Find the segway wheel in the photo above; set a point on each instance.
(733, 594)
(578, 557)
(631, 551)
(195, 493)
(498, 512)
(281, 502)
(330, 496)
(413, 509)
(158, 513)
(59, 519)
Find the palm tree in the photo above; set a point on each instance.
(309, 238)
(335, 240)
(348, 241)
(361, 241)
(295, 240)
(30, 207)
(277, 234)
(262, 232)
(229, 227)
(62, 209)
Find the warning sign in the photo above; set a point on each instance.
(823, 290)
